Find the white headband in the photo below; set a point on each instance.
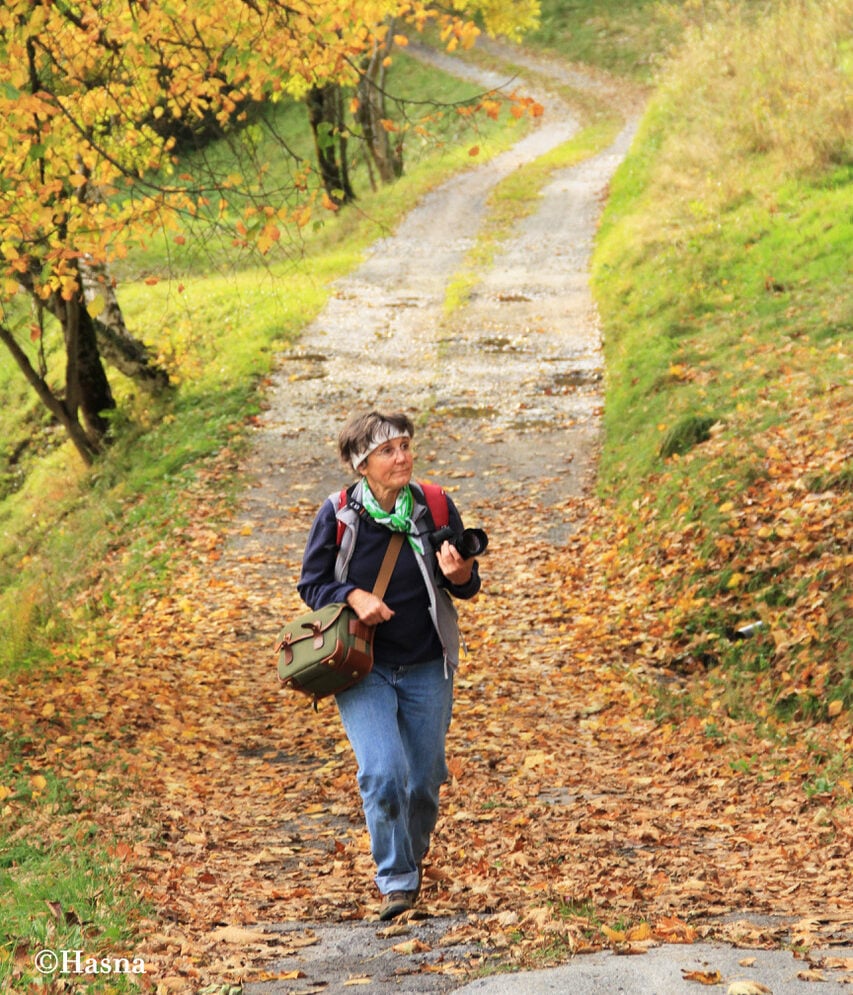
(384, 433)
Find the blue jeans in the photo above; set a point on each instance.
(396, 720)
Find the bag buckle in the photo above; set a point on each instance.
(317, 629)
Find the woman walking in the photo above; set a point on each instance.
(397, 718)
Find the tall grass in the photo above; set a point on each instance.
(705, 222)
(770, 81)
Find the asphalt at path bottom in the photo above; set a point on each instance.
(666, 970)
(422, 956)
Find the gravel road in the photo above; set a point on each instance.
(506, 387)
(514, 377)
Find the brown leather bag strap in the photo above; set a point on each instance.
(387, 568)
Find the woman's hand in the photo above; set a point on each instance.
(456, 569)
(370, 609)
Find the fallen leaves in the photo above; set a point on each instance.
(412, 946)
(232, 804)
(774, 550)
(634, 934)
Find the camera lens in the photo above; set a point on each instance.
(473, 543)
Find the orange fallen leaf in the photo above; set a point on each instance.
(413, 946)
(239, 935)
(643, 931)
(703, 977)
(674, 930)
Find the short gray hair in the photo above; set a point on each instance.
(358, 437)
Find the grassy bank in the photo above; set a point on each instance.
(723, 274)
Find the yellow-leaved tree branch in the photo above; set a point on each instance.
(101, 99)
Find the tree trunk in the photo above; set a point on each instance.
(86, 386)
(387, 157)
(87, 390)
(325, 112)
(55, 405)
(116, 345)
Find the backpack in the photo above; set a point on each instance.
(436, 502)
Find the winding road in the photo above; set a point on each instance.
(506, 393)
(514, 376)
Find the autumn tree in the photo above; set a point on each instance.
(94, 96)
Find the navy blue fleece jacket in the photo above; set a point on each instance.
(424, 623)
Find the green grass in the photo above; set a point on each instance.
(741, 290)
(628, 39)
(58, 895)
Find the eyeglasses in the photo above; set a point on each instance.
(390, 451)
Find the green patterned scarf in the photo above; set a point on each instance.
(400, 519)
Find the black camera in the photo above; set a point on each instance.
(472, 542)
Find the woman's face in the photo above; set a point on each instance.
(389, 467)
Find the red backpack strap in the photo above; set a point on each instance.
(434, 495)
(436, 499)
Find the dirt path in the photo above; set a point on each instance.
(507, 392)
(507, 385)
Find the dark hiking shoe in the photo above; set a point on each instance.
(395, 903)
